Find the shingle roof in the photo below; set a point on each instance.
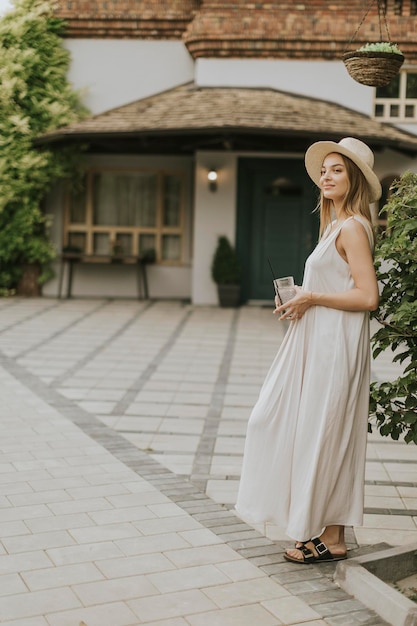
(188, 109)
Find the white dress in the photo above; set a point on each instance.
(304, 460)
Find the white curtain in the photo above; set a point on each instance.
(125, 199)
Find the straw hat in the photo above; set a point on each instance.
(356, 150)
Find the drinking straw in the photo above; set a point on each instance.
(273, 280)
(270, 267)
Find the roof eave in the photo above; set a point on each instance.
(63, 136)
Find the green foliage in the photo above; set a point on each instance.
(394, 404)
(35, 98)
(225, 269)
(381, 46)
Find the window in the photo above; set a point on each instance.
(127, 213)
(397, 102)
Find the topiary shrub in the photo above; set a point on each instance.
(225, 269)
(393, 405)
(226, 272)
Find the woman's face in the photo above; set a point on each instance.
(334, 181)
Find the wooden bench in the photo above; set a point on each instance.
(72, 259)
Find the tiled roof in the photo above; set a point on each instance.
(188, 109)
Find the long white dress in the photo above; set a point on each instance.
(304, 459)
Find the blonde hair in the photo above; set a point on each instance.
(356, 200)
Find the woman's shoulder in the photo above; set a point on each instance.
(356, 224)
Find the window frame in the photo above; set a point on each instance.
(401, 101)
(89, 229)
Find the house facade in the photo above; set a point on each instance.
(181, 88)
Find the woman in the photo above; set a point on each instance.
(304, 460)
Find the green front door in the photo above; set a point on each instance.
(274, 221)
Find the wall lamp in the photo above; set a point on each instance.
(212, 179)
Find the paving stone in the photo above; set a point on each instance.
(324, 597)
(229, 530)
(172, 605)
(214, 519)
(359, 618)
(267, 548)
(311, 586)
(238, 536)
(267, 559)
(277, 568)
(257, 541)
(192, 496)
(296, 576)
(338, 607)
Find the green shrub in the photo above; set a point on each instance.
(35, 97)
(393, 406)
(225, 269)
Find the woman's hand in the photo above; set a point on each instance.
(295, 308)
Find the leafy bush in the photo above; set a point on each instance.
(393, 405)
(225, 269)
(35, 97)
(381, 46)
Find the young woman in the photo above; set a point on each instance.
(304, 459)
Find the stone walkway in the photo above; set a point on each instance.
(123, 427)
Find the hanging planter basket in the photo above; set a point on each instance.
(372, 68)
(374, 64)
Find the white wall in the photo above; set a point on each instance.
(325, 80)
(113, 72)
(121, 281)
(214, 215)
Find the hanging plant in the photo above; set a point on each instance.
(374, 64)
(381, 46)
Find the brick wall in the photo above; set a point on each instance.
(141, 19)
(315, 29)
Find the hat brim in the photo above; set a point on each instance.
(316, 154)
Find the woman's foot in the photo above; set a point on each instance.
(330, 546)
(334, 538)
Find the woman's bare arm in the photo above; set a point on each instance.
(353, 246)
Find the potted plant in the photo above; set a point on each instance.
(226, 273)
(374, 64)
(148, 256)
(116, 252)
